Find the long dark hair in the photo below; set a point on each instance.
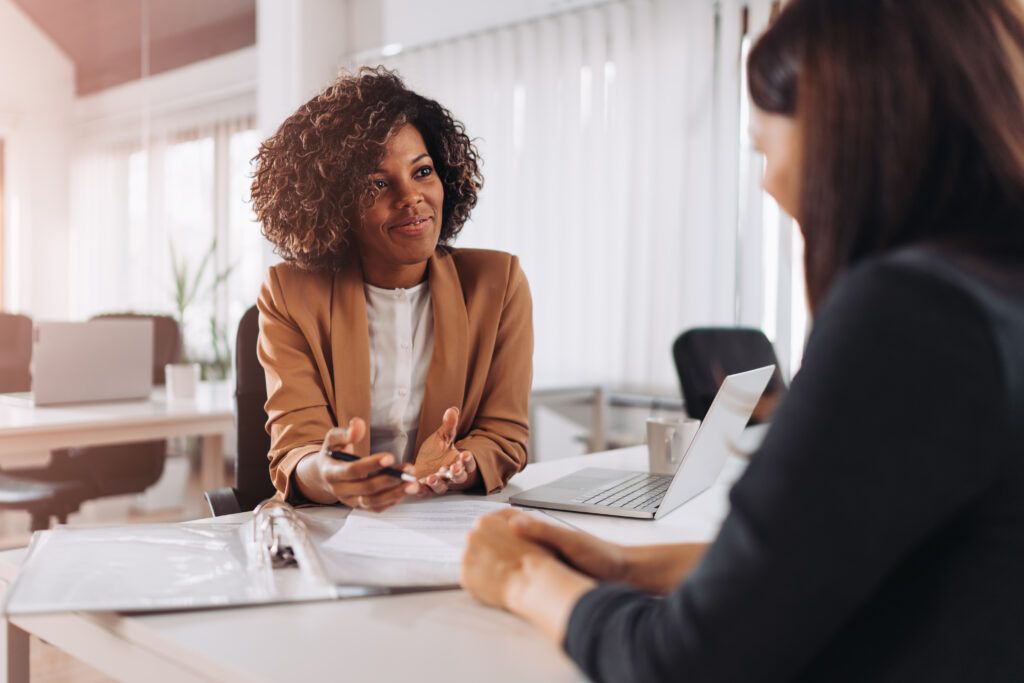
(912, 114)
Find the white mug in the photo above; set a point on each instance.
(182, 380)
(667, 441)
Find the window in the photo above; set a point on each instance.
(781, 311)
(179, 204)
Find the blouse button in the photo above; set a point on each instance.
(402, 391)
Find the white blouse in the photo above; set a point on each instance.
(401, 346)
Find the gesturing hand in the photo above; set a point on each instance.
(358, 484)
(439, 465)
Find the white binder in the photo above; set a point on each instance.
(194, 565)
(283, 554)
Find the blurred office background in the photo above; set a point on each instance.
(615, 147)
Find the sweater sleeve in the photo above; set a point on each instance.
(500, 430)
(297, 409)
(889, 431)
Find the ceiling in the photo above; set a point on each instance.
(104, 37)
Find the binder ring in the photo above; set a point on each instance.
(281, 539)
(268, 538)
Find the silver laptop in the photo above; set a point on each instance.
(99, 360)
(652, 496)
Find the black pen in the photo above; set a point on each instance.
(389, 471)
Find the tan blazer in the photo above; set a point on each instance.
(314, 345)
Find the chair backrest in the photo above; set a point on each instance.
(705, 355)
(252, 473)
(130, 468)
(167, 342)
(15, 352)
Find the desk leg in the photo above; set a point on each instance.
(14, 655)
(211, 467)
(13, 649)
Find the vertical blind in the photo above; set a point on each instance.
(186, 187)
(617, 167)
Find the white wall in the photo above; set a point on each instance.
(301, 44)
(36, 92)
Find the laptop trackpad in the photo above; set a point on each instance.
(587, 479)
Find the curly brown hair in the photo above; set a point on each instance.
(311, 182)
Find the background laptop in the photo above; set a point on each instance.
(651, 496)
(99, 360)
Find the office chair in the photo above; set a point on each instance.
(252, 469)
(131, 467)
(76, 475)
(39, 498)
(15, 353)
(705, 355)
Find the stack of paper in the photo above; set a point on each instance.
(416, 544)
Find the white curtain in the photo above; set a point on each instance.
(617, 169)
(136, 203)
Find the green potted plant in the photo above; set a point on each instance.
(192, 285)
(201, 359)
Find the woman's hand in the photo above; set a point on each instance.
(594, 557)
(501, 569)
(358, 484)
(439, 465)
(654, 568)
(493, 557)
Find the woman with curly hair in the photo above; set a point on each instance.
(373, 317)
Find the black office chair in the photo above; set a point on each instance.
(252, 469)
(15, 353)
(76, 475)
(132, 467)
(705, 355)
(40, 499)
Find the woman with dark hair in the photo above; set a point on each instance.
(878, 533)
(373, 316)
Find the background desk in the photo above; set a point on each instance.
(399, 637)
(27, 429)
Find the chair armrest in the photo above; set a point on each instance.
(223, 502)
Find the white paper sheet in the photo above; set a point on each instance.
(429, 531)
(414, 544)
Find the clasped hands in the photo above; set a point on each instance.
(536, 570)
(439, 467)
(539, 571)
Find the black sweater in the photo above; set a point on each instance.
(878, 533)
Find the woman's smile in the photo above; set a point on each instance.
(413, 226)
(399, 231)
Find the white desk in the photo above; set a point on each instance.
(28, 429)
(402, 637)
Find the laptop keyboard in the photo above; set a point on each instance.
(641, 492)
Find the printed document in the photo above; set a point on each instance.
(411, 544)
